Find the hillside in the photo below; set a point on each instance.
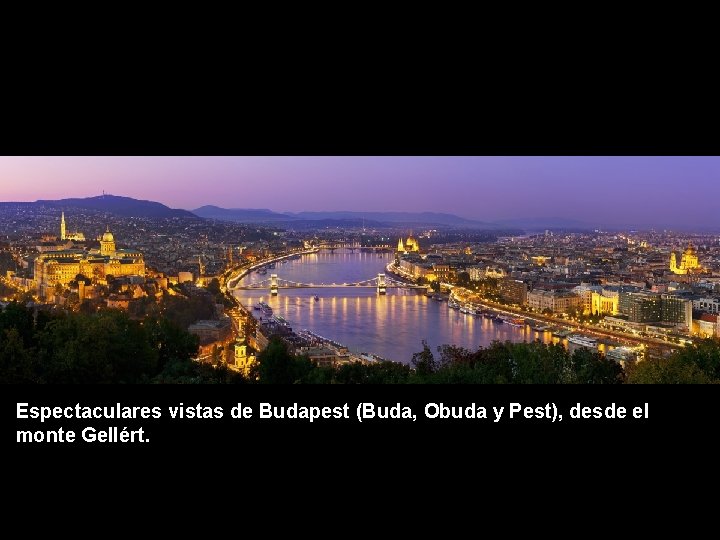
(120, 206)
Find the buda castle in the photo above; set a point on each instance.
(64, 265)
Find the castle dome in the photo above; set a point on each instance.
(108, 236)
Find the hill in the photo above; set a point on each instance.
(120, 206)
(341, 218)
(428, 218)
(241, 215)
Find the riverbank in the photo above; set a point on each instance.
(264, 262)
(465, 295)
(392, 326)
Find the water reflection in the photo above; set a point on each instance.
(391, 326)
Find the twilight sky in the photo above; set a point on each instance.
(637, 191)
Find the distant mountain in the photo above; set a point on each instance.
(241, 215)
(341, 218)
(398, 217)
(538, 224)
(120, 206)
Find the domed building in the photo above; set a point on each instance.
(107, 243)
(62, 266)
(410, 245)
(689, 263)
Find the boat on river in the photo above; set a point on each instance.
(541, 328)
(584, 341)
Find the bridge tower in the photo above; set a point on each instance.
(381, 284)
(273, 285)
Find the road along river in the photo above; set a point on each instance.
(391, 326)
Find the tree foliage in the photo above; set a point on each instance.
(98, 347)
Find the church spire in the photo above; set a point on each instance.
(62, 226)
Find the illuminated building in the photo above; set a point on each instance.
(243, 361)
(558, 301)
(688, 262)
(513, 291)
(494, 272)
(65, 235)
(706, 326)
(585, 292)
(443, 272)
(107, 243)
(60, 267)
(677, 310)
(605, 302)
(410, 245)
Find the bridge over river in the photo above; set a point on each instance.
(381, 283)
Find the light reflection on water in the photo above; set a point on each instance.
(391, 326)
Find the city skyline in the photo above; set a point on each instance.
(603, 191)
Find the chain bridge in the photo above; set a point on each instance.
(381, 283)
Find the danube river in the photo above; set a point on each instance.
(390, 326)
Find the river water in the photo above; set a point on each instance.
(391, 326)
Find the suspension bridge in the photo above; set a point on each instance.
(381, 283)
(351, 245)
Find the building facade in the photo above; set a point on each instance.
(60, 267)
(645, 307)
(708, 305)
(513, 291)
(558, 301)
(688, 262)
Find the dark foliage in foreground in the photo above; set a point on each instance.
(103, 347)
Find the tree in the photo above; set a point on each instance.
(671, 370)
(81, 277)
(435, 286)
(216, 359)
(375, 373)
(463, 279)
(15, 360)
(17, 317)
(277, 366)
(424, 361)
(591, 367)
(697, 364)
(214, 287)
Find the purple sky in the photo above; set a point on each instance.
(609, 190)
